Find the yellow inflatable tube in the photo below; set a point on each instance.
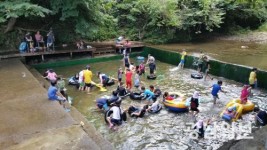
(249, 106)
(101, 88)
(239, 109)
(178, 104)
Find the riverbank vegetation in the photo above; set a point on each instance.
(155, 21)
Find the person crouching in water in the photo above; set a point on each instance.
(121, 90)
(194, 103)
(103, 78)
(116, 115)
(54, 95)
(148, 94)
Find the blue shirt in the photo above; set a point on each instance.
(148, 94)
(215, 89)
(52, 93)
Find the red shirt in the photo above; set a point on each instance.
(128, 76)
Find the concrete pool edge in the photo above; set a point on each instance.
(218, 68)
(30, 121)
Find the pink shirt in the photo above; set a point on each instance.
(52, 76)
(244, 94)
(38, 37)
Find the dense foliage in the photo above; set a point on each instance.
(147, 20)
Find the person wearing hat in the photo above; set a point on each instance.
(194, 103)
(87, 74)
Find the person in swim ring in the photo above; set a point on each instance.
(154, 107)
(156, 91)
(116, 115)
(231, 112)
(121, 90)
(103, 78)
(137, 112)
(166, 96)
(148, 94)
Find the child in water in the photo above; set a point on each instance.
(215, 90)
(120, 72)
(245, 94)
(137, 79)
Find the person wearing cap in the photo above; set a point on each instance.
(245, 94)
(194, 103)
(87, 74)
(253, 78)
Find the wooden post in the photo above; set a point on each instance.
(42, 57)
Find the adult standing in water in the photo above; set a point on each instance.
(206, 68)
(152, 65)
(150, 59)
(200, 62)
(87, 73)
(126, 61)
(253, 78)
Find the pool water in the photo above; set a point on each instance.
(165, 130)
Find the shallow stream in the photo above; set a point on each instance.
(165, 130)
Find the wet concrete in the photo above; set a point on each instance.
(30, 121)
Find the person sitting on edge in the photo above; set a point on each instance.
(154, 107)
(260, 117)
(116, 115)
(53, 95)
(253, 78)
(137, 112)
(88, 75)
(194, 103)
(51, 75)
(182, 59)
(231, 111)
(30, 43)
(128, 78)
(142, 68)
(80, 45)
(148, 94)
(245, 94)
(215, 90)
(103, 78)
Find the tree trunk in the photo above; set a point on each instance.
(11, 24)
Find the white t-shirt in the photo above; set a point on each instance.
(154, 106)
(80, 76)
(132, 67)
(116, 113)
